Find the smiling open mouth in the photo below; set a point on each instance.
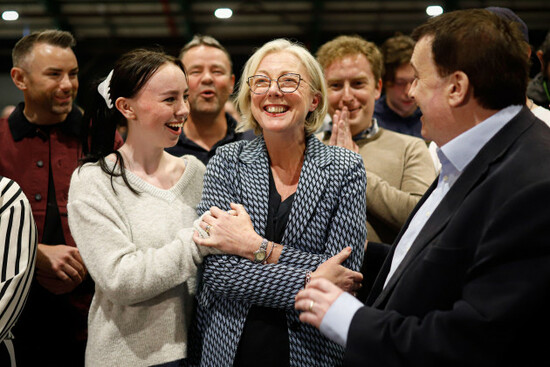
(175, 126)
(276, 109)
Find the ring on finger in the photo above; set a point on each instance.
(207, 229)
(311, 303)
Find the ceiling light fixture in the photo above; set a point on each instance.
(434, 10)
(10, 15)
(223, 13)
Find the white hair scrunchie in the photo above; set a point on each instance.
(103, 88)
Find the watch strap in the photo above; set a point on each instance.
(260, 253)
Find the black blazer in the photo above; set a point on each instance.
(474, 289)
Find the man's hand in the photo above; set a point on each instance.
(59, 268)
(332, 269)
(315, 300)
(341, 134)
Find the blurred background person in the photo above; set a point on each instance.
(538, 88)
(399, 167)
(211, 82)
(395, 110)
(507, 14)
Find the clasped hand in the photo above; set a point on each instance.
(341, 133)
(229, 231)
(59, 268)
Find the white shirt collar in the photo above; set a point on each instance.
(461, 150)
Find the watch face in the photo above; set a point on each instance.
(259, 256)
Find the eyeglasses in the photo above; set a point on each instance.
(287, 83)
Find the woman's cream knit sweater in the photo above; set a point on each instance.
(140, 253)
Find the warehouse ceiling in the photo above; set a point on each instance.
(106, 28)
(251, 18)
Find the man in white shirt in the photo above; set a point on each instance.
(466, 281)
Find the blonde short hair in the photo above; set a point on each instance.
(314, 119)
(343, 46)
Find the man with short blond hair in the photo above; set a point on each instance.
(399, 168)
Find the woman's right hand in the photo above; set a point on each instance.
(231, 232)
(332, 269)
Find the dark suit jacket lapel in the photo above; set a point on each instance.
(467, 181)
(385, 269)
(255, 183)
(312, 183)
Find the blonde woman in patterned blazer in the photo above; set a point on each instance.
(296, 208)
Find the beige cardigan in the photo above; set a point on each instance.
(399, 170)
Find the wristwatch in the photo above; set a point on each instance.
(261, 253)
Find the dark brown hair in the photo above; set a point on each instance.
(396, 51)
(485, 47)
(131, 72)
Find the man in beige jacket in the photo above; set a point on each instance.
(399, 167)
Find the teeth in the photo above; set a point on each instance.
(276, 109)
(175, 124)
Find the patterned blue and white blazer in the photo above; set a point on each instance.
(328, 214)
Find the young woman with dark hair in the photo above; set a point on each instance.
(131, 212)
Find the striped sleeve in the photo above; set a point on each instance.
(18, 241)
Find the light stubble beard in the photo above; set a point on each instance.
(212, 107)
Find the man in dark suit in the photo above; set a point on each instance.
(467, 281)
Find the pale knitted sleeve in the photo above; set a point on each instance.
(125, 273)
